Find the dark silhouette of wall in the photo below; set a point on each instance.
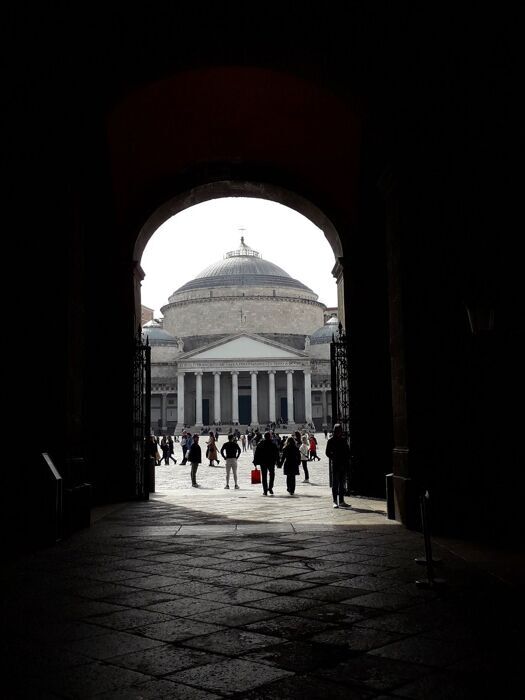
(396, 123)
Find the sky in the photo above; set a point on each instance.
(199, 236)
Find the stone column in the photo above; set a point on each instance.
(198, 399)
(255, 414)
(271, 397)
(289, 394)
(163, 402)
(324, 393)
(235, 397)
(180, 400)
(308, 395)
(217, 397)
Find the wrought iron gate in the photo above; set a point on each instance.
(141, 413)
(340, 380)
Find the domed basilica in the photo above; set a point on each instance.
(241, 344)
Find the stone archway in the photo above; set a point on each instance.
(246, 131)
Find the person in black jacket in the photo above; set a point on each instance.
(194, 457)
(230, 452)
(338, 452)
(266, 456)
(290, 461)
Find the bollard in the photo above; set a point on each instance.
(430, 581)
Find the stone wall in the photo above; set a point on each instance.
(243, 314)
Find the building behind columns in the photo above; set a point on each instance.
(241, 344)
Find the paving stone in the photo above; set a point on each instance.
(184, 607)
(283, 603)
(155, 581)
(289, 626)
(278, 571)
(236, 566)
(356, 638)
(164, 659)
(158, 690)
(160, 568)
(232, 641)
(367, 583)
(320, 576)
(190, 588)
(386, 600)
(334, 613)
(395, 622)
(102, 591)
(127, 619)
(233, 615)
(199, 573)
(140, 598)
(229, 677)
(345, 557)
(282, 586)
(235, 595)
(308, 686)
(300, 656)
(105, 646)
(328, 593)
(176, 630)
(241, 580)
(204, 561)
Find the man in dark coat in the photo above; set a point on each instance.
(338, 452)
(194, 457)
(266, 456)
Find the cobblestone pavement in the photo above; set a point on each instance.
(202, 594)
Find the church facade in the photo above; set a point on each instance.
(242, 344)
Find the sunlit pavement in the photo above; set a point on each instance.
(311, 503)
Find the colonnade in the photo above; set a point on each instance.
(217, 418)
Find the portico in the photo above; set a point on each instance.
(248, 380)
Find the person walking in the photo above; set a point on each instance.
(338, 452)
(194, 457)
(313, 448)
(266, 456)
(164, 446)
(243, 442)
(211, 449)
(290, 462)
(171, 449)
(184, 443)
(304, 449)
(230, 452)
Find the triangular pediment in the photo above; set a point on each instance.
(244, 347)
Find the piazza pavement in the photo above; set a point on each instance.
(203, 594)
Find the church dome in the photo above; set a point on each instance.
(243, 294)
(153, 331)
(243, 267)
(324, 334)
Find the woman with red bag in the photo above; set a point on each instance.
(267, 456)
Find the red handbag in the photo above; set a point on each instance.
(256, 476)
